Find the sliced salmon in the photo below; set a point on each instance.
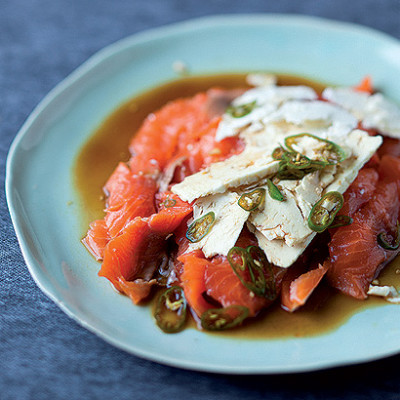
(193, 280)
(390, 146)
(135, 254)
(224, 286)
(389, 169)
(172, 211)
(365, 85)
(129, 196)
(166, 131)
(356, 258)
(97, 238)
(360, 191)
(296, 292)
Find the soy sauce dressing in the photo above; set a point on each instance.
(326, 309)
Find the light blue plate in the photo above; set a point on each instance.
(40, 189)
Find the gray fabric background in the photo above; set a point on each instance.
(43, 353)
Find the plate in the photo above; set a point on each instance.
(45, 207)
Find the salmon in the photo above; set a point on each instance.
(129, 196)
(295, 292)
(224, 286)
(97, 238)
(135, 253)
(365, 85)
(182, 128)
(172, 211)
(132, 258)
(193, 281)
(356, 258)
(390, 146)
(167, 131)
(360, 191)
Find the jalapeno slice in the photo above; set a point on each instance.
(286, 173)
(218, 319)
(341, 220)
(252, 200)
(332, 152)
(251, 276)
(258, 259)
(387, 244)
(296, 160)
(278, 153)
(168, 202)
(324, 211)
(170, 313)
(241, 110)
(200, 227)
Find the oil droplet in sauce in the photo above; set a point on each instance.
(325, 310)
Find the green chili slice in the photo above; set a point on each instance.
(296, 160)
(284, 172)
(168, 202)
(170, 313)
(332, 153)
(324, 211)
(278, 153)
(252, 200)
(274, 192)
(241, 110)
(341, 220)
(258, 259)
(251, 276)
(200, 227)
(384, 241)
(217, 319)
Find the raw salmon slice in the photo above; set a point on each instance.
(365, 85)
(360, 191)
(172, 211)
(223, 285)
(97, 238)
(129, 196)
(135, 254)
(183, 128)
(296, 292)
(193, 280)
(163, 132)
(355, 255)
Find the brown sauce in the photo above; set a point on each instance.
(325, 310)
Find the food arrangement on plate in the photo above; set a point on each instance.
(235, 199)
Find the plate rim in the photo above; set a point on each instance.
(79, 74)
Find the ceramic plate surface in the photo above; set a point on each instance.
(40, 187)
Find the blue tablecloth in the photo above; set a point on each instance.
(43, 353)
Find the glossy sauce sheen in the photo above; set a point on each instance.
(325, 310)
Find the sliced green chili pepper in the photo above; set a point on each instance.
(252, 200)
(170, 313)
(384, 242)
(341, 220)
(251, 276)
(200, 227)
(258, 259)
(296, 160)
(241, 110)
(324, 211)
(168, 202)
(217, 319)
(274, 192)
(284, 172)
(278, 153)
(334, 153)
